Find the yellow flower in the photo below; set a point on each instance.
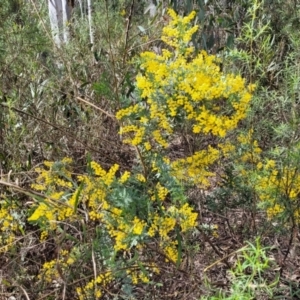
(125, 177)
(162, 192)
(138, 226)
(123, 12)
(171, 251)
(97, 169)
(188, 218)
(140, 177)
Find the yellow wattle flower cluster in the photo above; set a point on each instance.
(195, 168)
(162, 192)
(180, 84)
(94, 193)
(94, 286)
(50, 269)
(139, 276)
(10, 224)
(162, 226)
(275, 184)
(56, 179)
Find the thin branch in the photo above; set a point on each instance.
(127, 32)
(94, 266)
(42, 21)
(22, 289)
(206, 239)
(96, 107)
(224, 258)
(34, 195)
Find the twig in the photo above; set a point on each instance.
(142, 161)
(34, 194)
(94, 266)
(206, 239)
(23, 290)
(223, 258)
(127, 31)
(96, 107)
(42, 21)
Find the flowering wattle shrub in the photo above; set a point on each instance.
(180, 87)
(278, 189)
(147, 207)
(271, 176)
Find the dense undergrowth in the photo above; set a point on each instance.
(160, 162)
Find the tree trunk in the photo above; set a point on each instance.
(89, 3)
(59, 14)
